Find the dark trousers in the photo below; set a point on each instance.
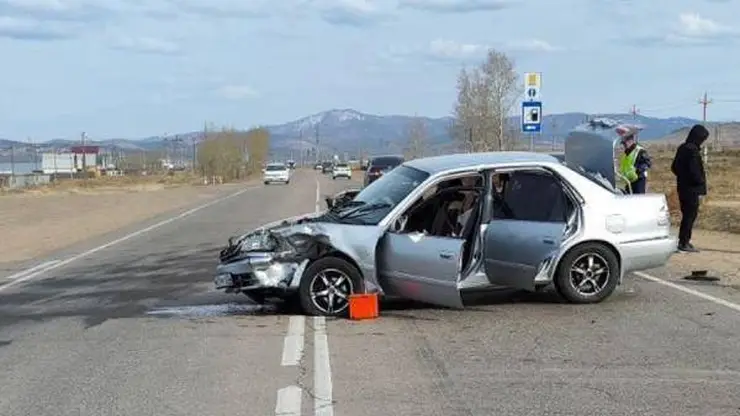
(689, 210)
(637, 187)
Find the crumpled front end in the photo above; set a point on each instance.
(272, 258)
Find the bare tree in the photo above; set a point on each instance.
(416, 136)
(486, 95)
(232, 154)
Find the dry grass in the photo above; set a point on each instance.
(107, 184)
(720, 210)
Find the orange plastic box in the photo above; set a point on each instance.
(363, 306)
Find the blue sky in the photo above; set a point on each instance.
(134, 68)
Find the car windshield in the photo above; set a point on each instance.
(341, 165)
(385, 193)
(271, 168)
(596, 178)
(384, 162)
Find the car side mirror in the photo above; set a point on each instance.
(400, 224)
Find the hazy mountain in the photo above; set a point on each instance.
(348, 130)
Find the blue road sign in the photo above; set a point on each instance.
(531, 116)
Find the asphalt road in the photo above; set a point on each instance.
(135, 328)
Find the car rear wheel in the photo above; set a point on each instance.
(326, 286)
(589, 273)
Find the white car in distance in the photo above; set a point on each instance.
(341, 170)
(276, 172)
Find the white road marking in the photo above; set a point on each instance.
(289, 401)
(698, 294)
(323, 403)
(293, 343)
(318, 196)
(31, 270)
(32, 274)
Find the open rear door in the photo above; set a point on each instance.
(515, 251)
(421, 267)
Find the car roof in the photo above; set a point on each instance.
(437, 164)
(276, 164)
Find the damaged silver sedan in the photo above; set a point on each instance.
(436, 227)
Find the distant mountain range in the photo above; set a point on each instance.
(347, 130)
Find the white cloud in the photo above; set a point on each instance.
(694, 29)
(533, 45)
(146, 44)
(236, 92)
(455, 6)
(350, 12)
(448, 49)
(27, 29)
(695, 26)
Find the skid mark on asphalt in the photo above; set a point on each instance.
(210, 311)
(38, 271)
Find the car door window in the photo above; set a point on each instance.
(531, 196)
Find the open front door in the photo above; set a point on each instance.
(515, 251)
(421, 267)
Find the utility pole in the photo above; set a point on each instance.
(704, 101)
(554, 125)
(84, 156)
(634, 111)
(316, 132)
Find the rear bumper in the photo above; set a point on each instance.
(647, 254)
(276, 178)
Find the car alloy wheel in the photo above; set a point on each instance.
(329, 290)
(589, 274)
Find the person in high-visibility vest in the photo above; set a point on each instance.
(634, 164)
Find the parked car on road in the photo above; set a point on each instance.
(326, 167)
(435, 228)
(341, 170)
(276, 172)
(380, 165)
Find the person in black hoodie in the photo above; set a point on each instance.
(691, 183)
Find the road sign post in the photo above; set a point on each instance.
(531, 116)
(532, 105)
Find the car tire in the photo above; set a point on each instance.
(603, 258)
(312, 272)
(267, 183)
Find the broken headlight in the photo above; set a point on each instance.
(263, 241)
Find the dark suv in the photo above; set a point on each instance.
(327, 167)
(380, 165)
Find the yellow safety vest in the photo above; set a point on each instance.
(627, 164)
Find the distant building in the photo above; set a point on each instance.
(73, 161)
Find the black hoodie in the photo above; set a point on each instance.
(688, 165)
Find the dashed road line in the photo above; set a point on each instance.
(289, 401)
(323, 402)
(689, 291)
(293, 342)
(318, 196)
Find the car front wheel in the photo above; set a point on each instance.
(589, 273)
(326, 286)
